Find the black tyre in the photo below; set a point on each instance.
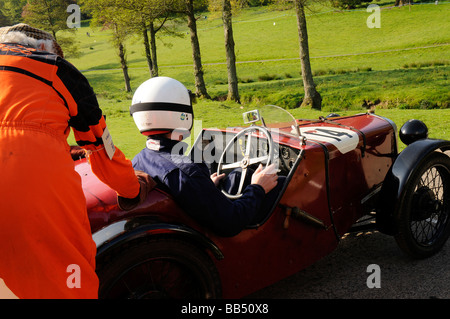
(424, 215)
(163, 268)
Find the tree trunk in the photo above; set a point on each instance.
(233, 93)
(123, 63)
(403, 2)
(200, 87)
(154, 70)
(147, 48)
(312, 97)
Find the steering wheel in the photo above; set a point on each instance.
(247, 160)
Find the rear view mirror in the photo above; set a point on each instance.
(251, 116)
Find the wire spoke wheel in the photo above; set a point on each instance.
(424, 218)
(159, 269)
(429, 215)
(155, 278)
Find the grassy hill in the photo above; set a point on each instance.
(402, 68)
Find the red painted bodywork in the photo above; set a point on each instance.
(256, 258)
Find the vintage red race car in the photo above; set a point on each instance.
(342, 174)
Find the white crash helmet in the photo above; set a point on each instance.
(161, 105)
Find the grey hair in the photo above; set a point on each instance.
(20, 38)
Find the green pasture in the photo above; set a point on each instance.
(400, 69)
(262, 34)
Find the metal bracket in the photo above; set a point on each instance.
(299, 214)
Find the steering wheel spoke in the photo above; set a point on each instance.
(231, 165)
(260, 159)
(241, 182)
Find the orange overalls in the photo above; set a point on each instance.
(46, 246)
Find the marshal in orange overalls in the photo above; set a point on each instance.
(44, 228)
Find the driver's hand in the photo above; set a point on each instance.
(267, 177)
(217, 178)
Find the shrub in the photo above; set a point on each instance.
(347, 4)
(268, 77)
(286, 100)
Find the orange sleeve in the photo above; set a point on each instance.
(88, 125)
(117, 173)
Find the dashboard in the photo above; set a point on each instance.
(287, 157)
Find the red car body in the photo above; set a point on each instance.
(329, 188)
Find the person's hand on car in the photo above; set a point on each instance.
(267, 177)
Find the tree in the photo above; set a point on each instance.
(154, 15)
(47, 15)
(148, 14)
(51, 16)
(312, 98)
(11, 11)
(200, 87)
(105, 13)
(147, 18)
(403, 2)
(152, 25)
(148, 51)
(233, 93)
(3, 20)
(119, 37)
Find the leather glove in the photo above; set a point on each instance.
(77, 152)
(146, 183)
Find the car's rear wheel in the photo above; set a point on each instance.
(162, 268)
(424, 216)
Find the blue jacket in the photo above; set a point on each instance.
(192, 188)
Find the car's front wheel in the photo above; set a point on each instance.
(424, 216)
(159, 268)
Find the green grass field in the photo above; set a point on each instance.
(402, 68)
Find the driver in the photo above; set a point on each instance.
(162, 110)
